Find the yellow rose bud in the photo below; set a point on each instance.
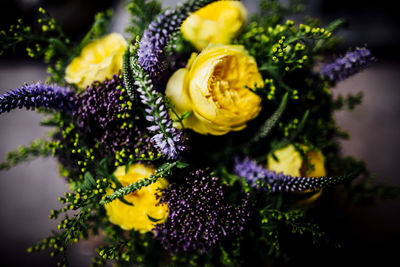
(100, 59)
(146, 207)
(216, 23)
(215, 88)
(291, 163)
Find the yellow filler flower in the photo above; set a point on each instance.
(216, 23)
(214, 86)
(100, 59)
(146, 207)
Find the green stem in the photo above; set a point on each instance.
(138, 185)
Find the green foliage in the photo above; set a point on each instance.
(77, 226)
(37, 148)
(282, 48)
(142, 13)
(273, 220)
(46, 40)
(348, 102)
(366, 192)
(270, 123)
(272, 12)
(291, 132)
(127, 72)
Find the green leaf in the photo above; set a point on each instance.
(127, 73)
(89, 180)
(181, 165)
(292, 137)
(153, 219)
(163, 166)
(271, 122)
(186, 114)
(127, 166)
(123, 200)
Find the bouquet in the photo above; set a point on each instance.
(205, 138)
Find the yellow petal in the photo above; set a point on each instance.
(289, 161)
(216, 23)
(145, 201)
(100, 59)
(177, 91)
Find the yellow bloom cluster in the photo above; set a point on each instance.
(100, 59)
(214, 86)
(146, 207)
(216, 23)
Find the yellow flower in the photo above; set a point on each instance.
(99, 60)
(216, 23)
(291, 163)
(146, 207)
(214, 86)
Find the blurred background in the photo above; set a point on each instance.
(29, 191)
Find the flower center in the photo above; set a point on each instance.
(224, 86)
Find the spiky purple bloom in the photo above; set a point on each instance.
(105, 116)
(257, 176)
(199, 215)
(169, 140)
(151, 47)
(38, 95)
(352, 63)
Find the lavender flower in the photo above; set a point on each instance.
(168, 139)
(199, 215)
(38, 95)
(352, 63)
(151, 48)
(104, 115)
(257, 176)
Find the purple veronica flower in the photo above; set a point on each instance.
(38, 95)
(257, 176)
(151, 47)
(169, 140)
(200, 215)
(352, 63)
(152, 61)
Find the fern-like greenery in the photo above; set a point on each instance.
(37, 148)
(142, 13)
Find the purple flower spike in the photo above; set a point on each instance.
(352, 63)
(151, 47)
(257, 176)
(167, 139)
(38, 95)
(199, 215)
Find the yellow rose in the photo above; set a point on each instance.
(145, 203)
(216, 23)
(214, 86)
(291, 163)
(99, 60)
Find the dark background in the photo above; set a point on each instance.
(28, 192)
